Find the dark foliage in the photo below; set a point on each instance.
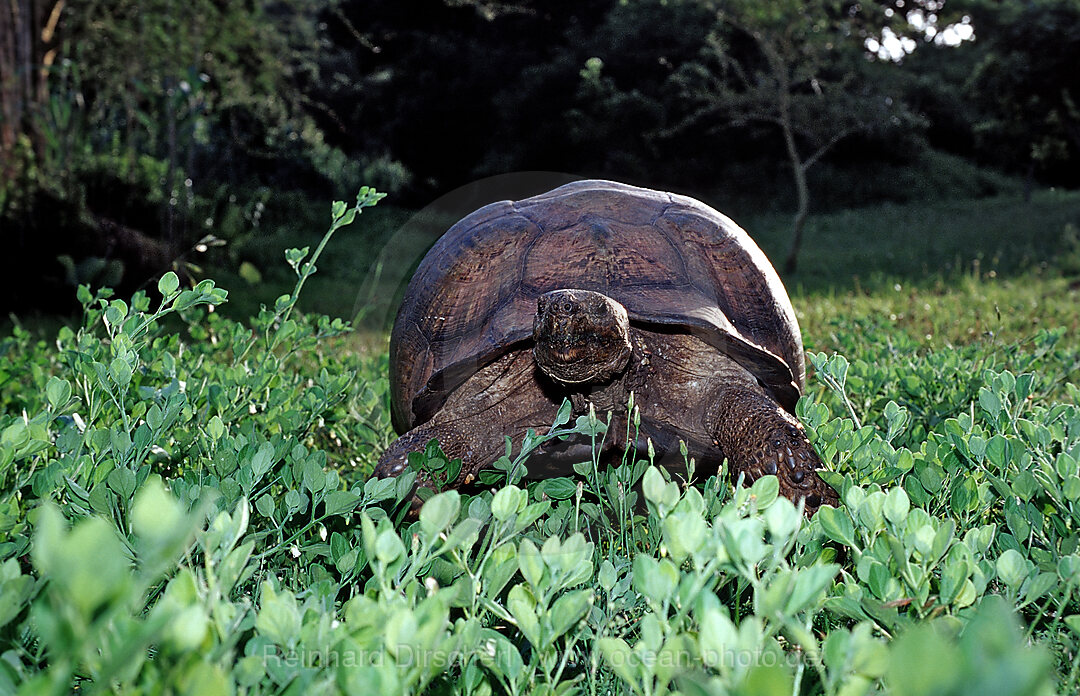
(175, 124)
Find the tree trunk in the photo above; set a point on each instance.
(27, 31)
(802, 191)
(7, 82)
(170, 199)
(16, 39)
(799, 222)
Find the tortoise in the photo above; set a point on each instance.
(589, 292)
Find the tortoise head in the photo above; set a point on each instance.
(581, 336)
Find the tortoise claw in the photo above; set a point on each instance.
(766, 440)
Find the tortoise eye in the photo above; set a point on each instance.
(776, 443)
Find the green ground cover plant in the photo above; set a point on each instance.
(184, 509)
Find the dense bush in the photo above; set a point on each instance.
(188, 514)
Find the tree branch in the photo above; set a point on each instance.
(837, 137)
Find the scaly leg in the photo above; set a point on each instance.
(500, 400)
(759, 438)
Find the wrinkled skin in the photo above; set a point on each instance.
(580, 337)
(584, 349)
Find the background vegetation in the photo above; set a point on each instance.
(138, 136)
(183, 497)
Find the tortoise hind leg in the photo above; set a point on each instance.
(758, 437)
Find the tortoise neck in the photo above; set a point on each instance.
(613, 394)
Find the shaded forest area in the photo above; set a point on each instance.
(137, 136)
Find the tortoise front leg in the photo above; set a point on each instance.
(758, 437)
(456, 443)
(500, 400)
(395, 460)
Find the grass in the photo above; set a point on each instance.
(942, 314)
(870, 248)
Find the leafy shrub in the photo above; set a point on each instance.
(191, 515)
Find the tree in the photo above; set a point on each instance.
(194, 85)
(121, 120)
(795, 66)
(28, 39)
(454, 89)
(171, 80)
(1029, 87)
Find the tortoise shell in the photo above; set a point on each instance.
(673, 262)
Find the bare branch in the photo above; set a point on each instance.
(837, 137)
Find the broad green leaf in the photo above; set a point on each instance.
(507, 502)
(530, 563)
(568, 610)
(684, 534)
(837, 525)
(279, 617)
(388, 546)
(87, 566)
(765, 490)
(655, 580)
(619, 657)
(337, 503)
(718, 639)
(204, 678)
(120, 371)
(1011, 568)
(498, 569)
(989, 401)
(897, 506)
(439, 512)
(500, 655)
(168, 284)
(58, 392)
(560, 488)
(522, 607)
(809, 586)
(16, 590)
(607, 575)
